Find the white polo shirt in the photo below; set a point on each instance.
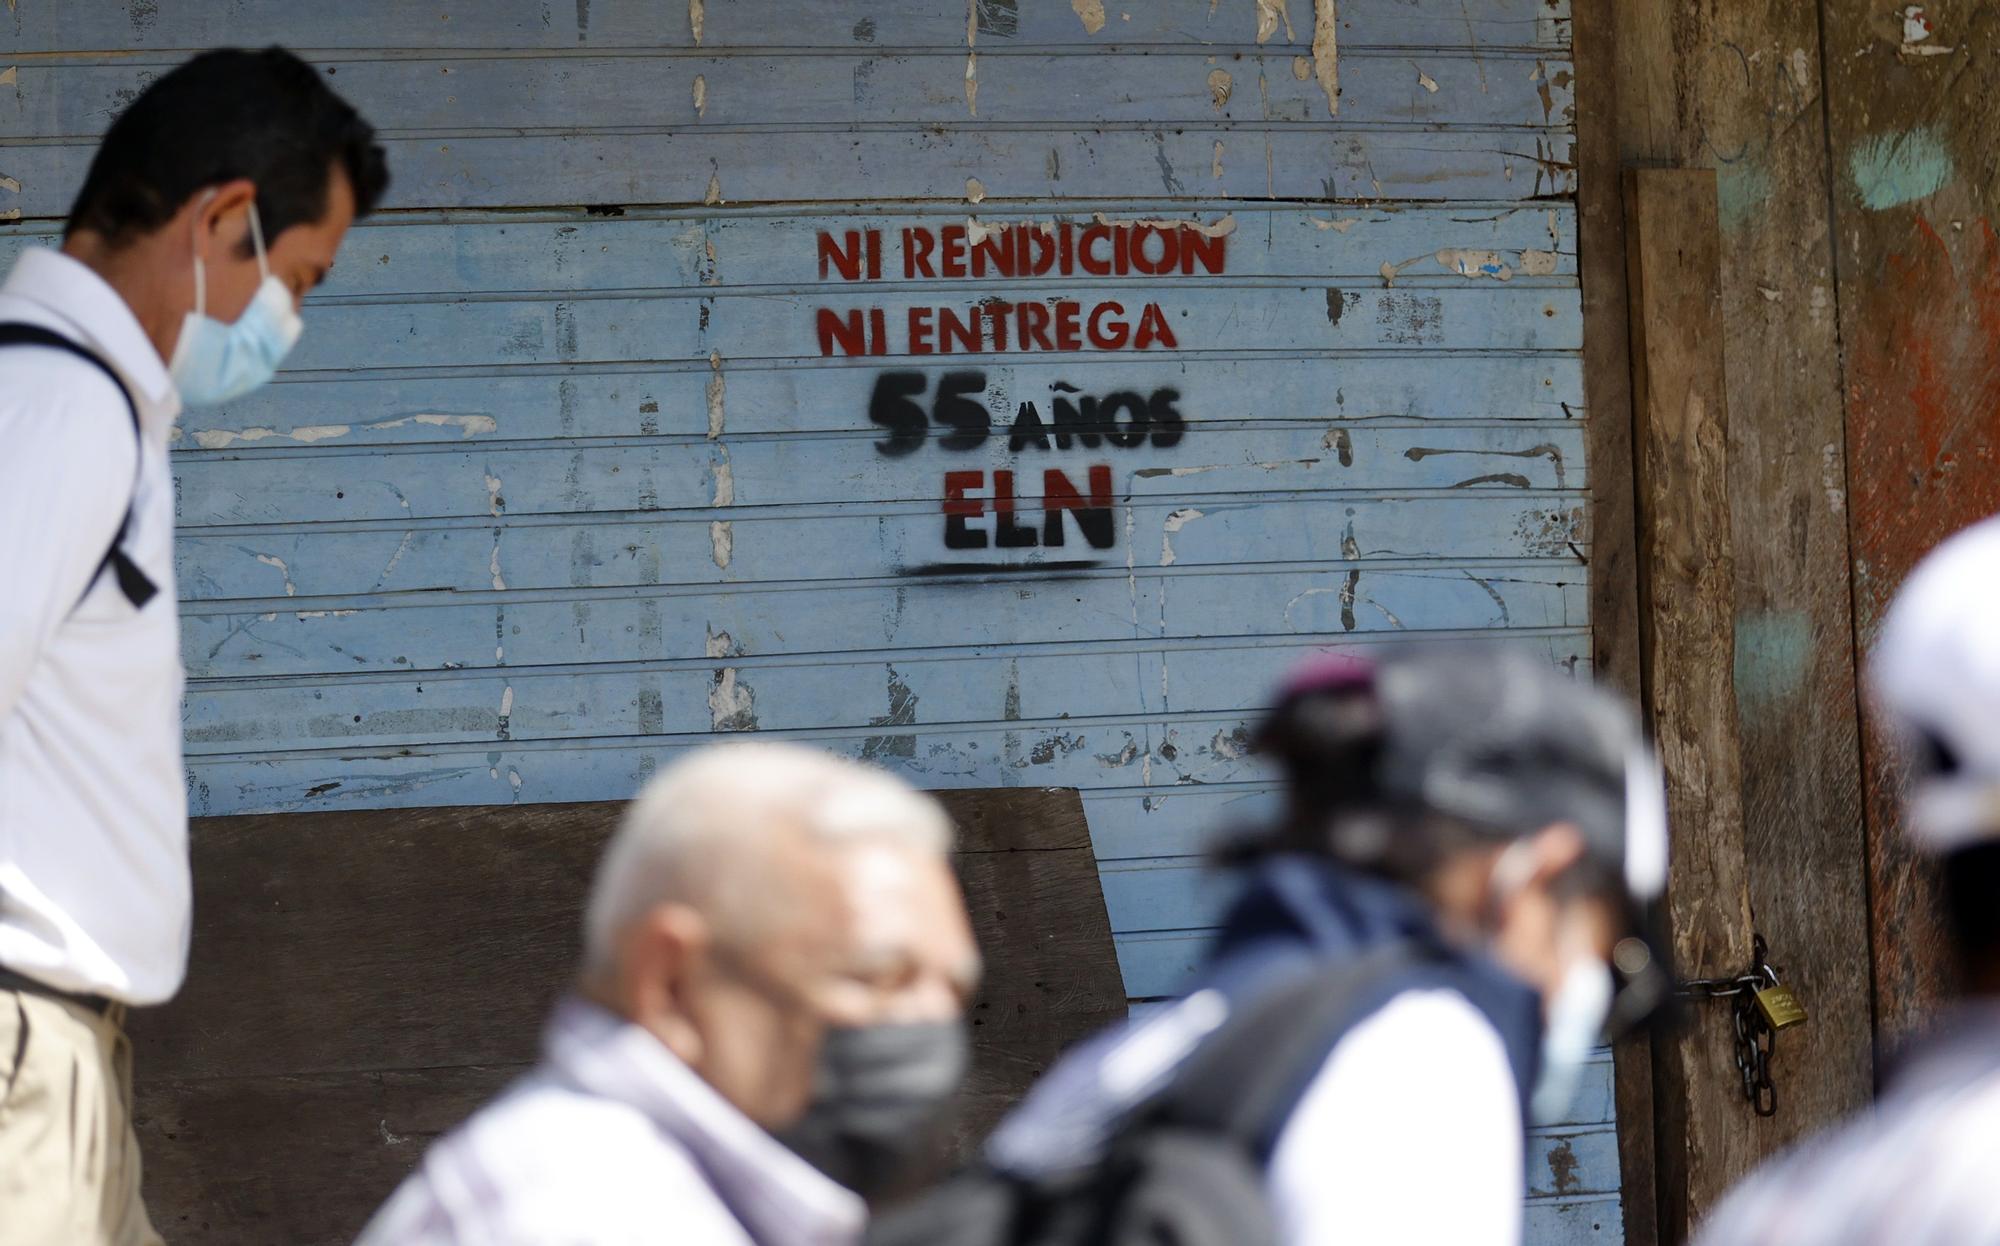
(94, 892)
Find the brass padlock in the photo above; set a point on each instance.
(1780, 1006)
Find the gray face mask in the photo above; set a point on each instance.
(880, 1094)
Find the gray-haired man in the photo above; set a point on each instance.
(775, 948)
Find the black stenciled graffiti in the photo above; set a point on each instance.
(982, 510)
(1124, 419)
(1090, 510)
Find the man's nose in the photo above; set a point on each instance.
(932, 997)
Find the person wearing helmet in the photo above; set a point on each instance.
(1920, 1167)
(1422, 960)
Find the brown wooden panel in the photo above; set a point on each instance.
(1685, 596)
(302, 1160)
(1913, 125)
(360, 981)
(1614, 595)
(1736, 88)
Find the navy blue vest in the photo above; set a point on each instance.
(1299, 911)
(1296, 914)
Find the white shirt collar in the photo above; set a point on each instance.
(98, 314)
(778, 1196)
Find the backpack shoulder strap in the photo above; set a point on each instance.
(137, 586)
(1243, 1078)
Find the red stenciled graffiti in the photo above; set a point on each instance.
(955, 252)
(993, 325)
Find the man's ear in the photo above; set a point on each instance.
(660, 955)
(222, 216)
(1556, 848)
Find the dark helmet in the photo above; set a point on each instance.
(1495, 743)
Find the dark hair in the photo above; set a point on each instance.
(227, 114)
(1328, 741)
(1971, 886)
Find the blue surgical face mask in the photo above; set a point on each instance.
(1575, 1027)
(214, 362)
(1573, 1013)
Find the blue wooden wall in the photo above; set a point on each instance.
(561, 482)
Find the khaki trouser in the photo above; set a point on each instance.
(69, 1161)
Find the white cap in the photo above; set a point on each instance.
(1936, 671)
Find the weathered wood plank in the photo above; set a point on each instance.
(1566, 1221)
(298, 486)
(1614, 605)
(818, 396)
(528, 24)
(1918, 301)
(784, 325)
(652, 625)
(1745, 101)
(212, 1145)
(836, 691)
(658, 249)
(763, 544)
(1163, 751)
(1130, 823)
(694, 167)
(334, 956)
(1568, 1163)
(463, 95)
(724, 693)
(1685, 596)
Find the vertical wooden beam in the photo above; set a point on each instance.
(1912, 124)
(1736, 87)
(1687, 605)
(1757, 106)
(1614, 596)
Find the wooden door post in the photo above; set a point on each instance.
(1704, 1135)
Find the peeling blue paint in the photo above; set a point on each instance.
(1741, 191)
(1898, 168)
(1773, 652)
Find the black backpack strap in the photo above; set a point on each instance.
(1243, 1079)
(137, 586)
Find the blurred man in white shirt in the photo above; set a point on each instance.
(1919, 1169)
(216, 200)
(767, 1027)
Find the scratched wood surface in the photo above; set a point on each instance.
(380, 975)
(1686, 582)
(1614, 605)
(562, 480)
(1911, 119)
(1491, 26)
(1742, 95)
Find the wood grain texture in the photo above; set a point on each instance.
(1615, 628)
(439, 258)
(360, 981)
(458, 95)
(1680, 431)
(1492, 26)
(491, 170)
(1741, 95)
(1911, 135)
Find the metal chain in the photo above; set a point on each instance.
(1753, 1033)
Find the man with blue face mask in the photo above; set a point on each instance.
(1433, 938)
(216, 200)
